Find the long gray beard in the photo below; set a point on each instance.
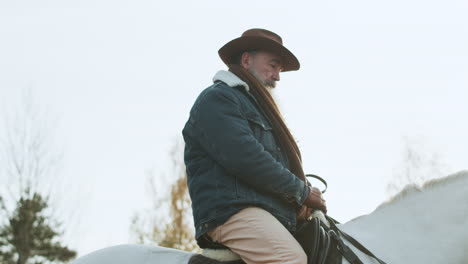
(269, 86)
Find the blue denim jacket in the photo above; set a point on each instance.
(233, 161)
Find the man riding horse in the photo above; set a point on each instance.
(244, 170)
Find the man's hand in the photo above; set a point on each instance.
(315, 200)
(304, 213)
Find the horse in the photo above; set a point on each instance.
(420, 225)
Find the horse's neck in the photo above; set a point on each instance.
(423, 227)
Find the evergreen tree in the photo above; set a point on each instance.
(30, 236)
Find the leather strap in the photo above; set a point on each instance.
(320, 179)
(345, 250)
(335, 234)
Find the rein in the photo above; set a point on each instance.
(345, 251)
(320, 179)
(324, 245)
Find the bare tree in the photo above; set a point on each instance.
(168, 224)
(28, 164)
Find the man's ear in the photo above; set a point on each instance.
(245, 60)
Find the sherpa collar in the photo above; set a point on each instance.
(230, 79)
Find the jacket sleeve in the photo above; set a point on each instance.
(225, 134)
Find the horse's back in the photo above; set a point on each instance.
(135, 254)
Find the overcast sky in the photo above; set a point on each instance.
(121, 77)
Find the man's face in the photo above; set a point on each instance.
(265, 66)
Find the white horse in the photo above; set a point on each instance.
(420, 225)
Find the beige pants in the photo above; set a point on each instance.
(258, 237)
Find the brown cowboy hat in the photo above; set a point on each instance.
(259, 39)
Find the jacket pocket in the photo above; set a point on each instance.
(263, 132)
(255, 119)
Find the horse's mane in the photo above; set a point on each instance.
(414, 188)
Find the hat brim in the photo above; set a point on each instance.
(247, 43)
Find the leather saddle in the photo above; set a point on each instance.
(312, 236)
(200, 259)
(323, 245)
(316, 241)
